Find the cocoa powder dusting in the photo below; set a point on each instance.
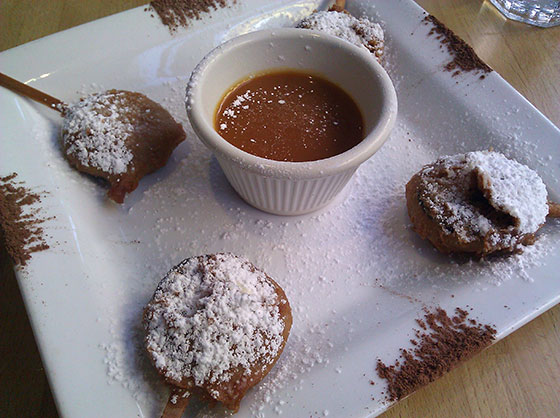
(178, 13)
(20, 232)
(464, 57)
(440, 345)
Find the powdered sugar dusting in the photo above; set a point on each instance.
(512, 188)
(212, 314)
(361, 32)
(95, 132)
(448, 191)
(445, 186)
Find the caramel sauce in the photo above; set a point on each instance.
(289, 116)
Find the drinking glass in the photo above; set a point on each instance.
(544, 13)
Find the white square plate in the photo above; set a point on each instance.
(86, 293)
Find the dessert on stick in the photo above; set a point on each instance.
(118, 135)
(478, 203)
(336, 21)
(215, 326)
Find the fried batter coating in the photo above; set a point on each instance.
(120, 136)
(216, 325)
(477, 203)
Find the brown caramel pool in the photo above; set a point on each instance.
(289, 116)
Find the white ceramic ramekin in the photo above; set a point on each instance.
(291, 188)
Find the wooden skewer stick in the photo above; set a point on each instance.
(177, 403)
(31, 93)
(340, 3)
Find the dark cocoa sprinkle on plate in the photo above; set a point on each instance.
(441, 345)
(464, 57)
(178, 13)
(20, 232)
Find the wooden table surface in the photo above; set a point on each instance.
(517, 377)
